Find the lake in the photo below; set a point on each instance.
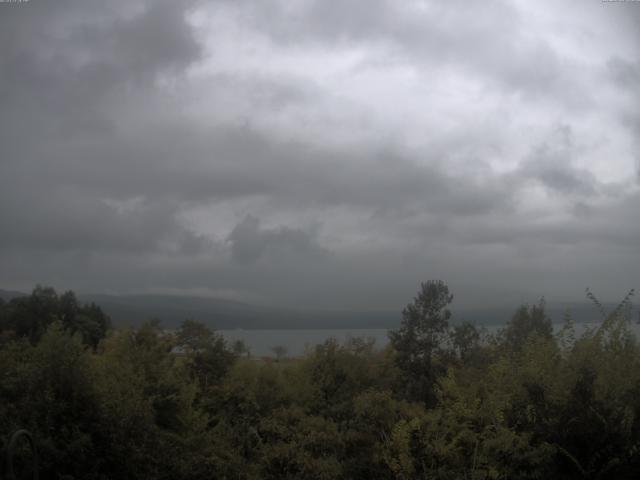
(296, 341)
(260, 342)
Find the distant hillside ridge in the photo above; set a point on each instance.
(223, 314)
(7, 295)
(227, 314)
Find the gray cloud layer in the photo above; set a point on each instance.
(321, 153)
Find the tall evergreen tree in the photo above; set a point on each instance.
(420, 339)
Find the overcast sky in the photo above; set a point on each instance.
(330, 154)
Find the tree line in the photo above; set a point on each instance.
(443, 400)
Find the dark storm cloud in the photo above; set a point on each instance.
(67, 40)
(60, 66)
(278, 149)
(197, 167)
(64, 64)
(71, 219)
(250, 242)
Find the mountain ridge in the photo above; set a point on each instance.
(224, 314)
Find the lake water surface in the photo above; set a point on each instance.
(296, 342)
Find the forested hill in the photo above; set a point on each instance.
(227, 314)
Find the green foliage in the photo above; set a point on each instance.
(439, 402)
(48, 388)
(297, 445)
(527, 321)
(29, 317)
(465, 340)
(207, 355)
